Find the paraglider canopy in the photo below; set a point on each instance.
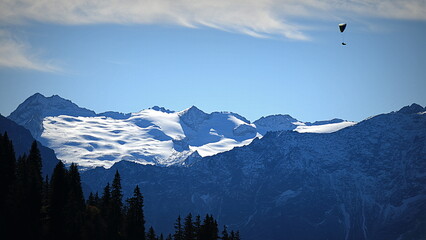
(342, 27)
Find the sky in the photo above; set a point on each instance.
(252, 57)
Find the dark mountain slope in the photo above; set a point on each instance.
(22, 140)
(367, 181)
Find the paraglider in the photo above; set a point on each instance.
(342, 27)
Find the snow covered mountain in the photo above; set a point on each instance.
(363, 182)
(34, 109)
(154, 136)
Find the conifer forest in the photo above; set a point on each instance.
(53, 207)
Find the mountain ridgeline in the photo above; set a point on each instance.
(367, 181)
(154, 136)
(276, 178)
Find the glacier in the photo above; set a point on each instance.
(154, 136)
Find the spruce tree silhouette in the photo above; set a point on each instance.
(135, 218)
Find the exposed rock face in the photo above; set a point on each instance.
(275, 123)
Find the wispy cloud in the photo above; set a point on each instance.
(258, 18)
(16, 54)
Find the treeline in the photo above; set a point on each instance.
(195, 229)
(33, 207)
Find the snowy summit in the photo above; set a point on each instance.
(154, 136)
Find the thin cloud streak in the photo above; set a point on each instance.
(16, 54)
(258, 18)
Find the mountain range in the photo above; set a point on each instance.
(274, 178)
(155, 136)
(367, 181)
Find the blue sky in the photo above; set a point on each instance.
(255, 58)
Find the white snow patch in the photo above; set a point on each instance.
(326, 128)
(223, 145)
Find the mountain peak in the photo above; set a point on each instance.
(36, 95)
(413, 108)
(40, 97)
(194, 109)
(35, 98)
(278, 122)
(193, 116)
(51, 106)
(31, 112)
(275, 119)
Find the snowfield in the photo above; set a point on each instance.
(150, 136)
(147, 137)
(155, 136)
(326, 128)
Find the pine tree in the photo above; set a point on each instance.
(58, 201)
(178, 235)
(34, 158)
(151, 234)
(189, 229)
(215, 229)
(135, 217)
(197, 227)
(7, 168)
(237, 236)
(46, 191)
(28, 196)
(225, 235)
(106, 201)
(116, 192)
(35, 190)
(114, 221)
(232, 236)
(7, 185)
(97, 200)
(209, 229)
(45, 208)
(75, 203)
(75, 195)
(91, 199)
(94, 224)
(20, 197)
